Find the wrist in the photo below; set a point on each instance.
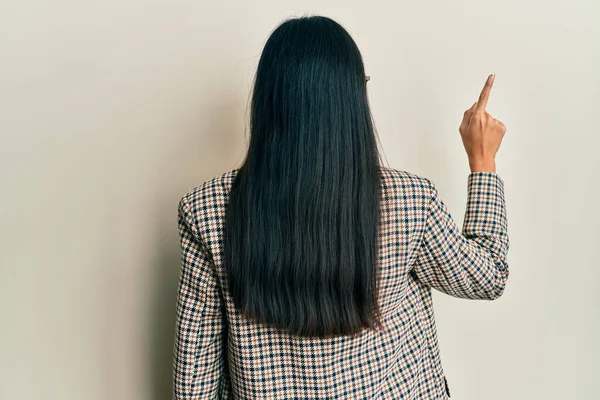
(482, 165)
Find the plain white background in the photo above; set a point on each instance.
(112, 110)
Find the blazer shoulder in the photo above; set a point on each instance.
(397, 178)
(205, 204)
(212, 190)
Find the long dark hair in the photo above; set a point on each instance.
(300, 241)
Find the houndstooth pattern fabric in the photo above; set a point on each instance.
(220, 355)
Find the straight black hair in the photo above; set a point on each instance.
(301, 230)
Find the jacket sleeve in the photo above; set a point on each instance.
(471, 264)
(198, 356)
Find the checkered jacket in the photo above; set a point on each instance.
(219, 355)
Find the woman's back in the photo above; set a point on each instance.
(219, 354)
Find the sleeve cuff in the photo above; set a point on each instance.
(489, 177)
(486, 209)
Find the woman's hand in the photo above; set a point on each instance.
(481, 133)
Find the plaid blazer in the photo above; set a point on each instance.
(219, 355)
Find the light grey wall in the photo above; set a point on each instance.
(110, 111)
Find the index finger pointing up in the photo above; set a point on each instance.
(485, 94)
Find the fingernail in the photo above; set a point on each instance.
(493, 77)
